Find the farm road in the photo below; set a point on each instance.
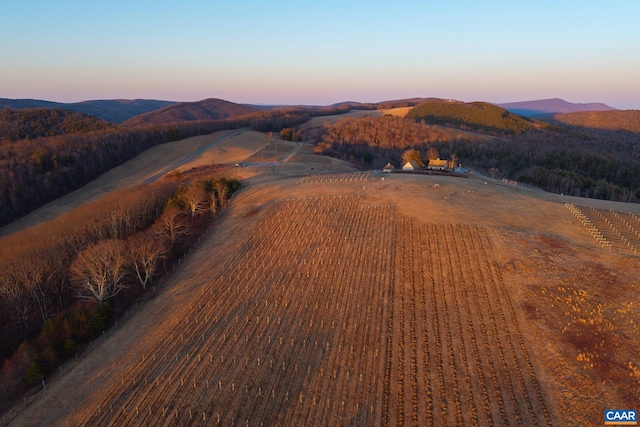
(191, 156)
(286, 158)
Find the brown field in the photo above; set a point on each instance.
(399, 112)
(354, 298)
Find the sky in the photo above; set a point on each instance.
(321, 52)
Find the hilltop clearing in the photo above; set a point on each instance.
(343, 297)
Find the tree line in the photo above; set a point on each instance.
(63, 281)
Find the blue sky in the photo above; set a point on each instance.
(321, 52)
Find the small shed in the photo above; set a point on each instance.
(411, 165)
(437, 165)
(388, 168)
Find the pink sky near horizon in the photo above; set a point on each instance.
(286, 52)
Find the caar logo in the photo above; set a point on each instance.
(620, 417)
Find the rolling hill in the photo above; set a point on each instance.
(551, 106)
(479, 116)
(615, 120)
(208, 109)
(115, 110)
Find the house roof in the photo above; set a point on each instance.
(437, 162)
(389, 166)
(411, 164)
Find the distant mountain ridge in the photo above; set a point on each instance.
(207, 109)
(551, 106)
(114, 110)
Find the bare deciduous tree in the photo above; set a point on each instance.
(173, 224)
(98, 271)
(213, 203)
(223, 193)
(16, 298)
(453, 160)
(30, 274)
(144, 252)
(195, 198)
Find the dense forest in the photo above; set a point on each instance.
(377, 141)
(477, 116)
(62, 282)
(615, 120)
(601, 163)
(36, 122)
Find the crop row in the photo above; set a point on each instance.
(612, 230)
(335, 177)
(588, 224)
(333, 312)
(623, 231)
(258, 170)
(457, 354)
(287, 332)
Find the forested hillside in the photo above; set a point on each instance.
(601, 163)
(614, 120)
(37, 122)
(477, 116)
(208, 109)
(377, 141)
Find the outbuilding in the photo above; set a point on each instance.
(411, 165)
(388, 168)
